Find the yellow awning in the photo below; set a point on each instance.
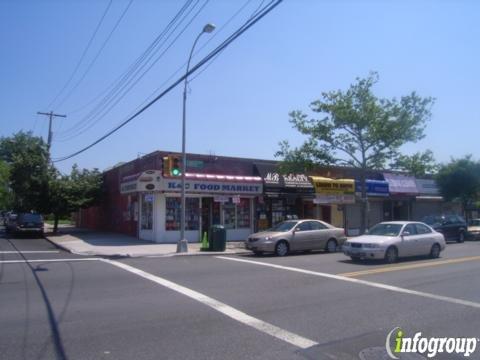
(325, 185)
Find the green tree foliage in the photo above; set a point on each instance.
(355, 128)
(460, 180)
(418, 164)
(27, 159)
(5, 191)
(68, 193)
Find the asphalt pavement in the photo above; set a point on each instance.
(56, 305)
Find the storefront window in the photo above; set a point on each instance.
(278, 211)
(147, 211)
(229, 215)
(243, 214)
(173, 216)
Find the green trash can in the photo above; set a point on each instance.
(217, 238)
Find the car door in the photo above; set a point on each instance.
(409, 241)
(426, 238)
(301, 236)
(319, 235)
(450, 227)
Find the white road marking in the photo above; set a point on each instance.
(223, 308)
(46, 260)
(362, 282)
(29, 252)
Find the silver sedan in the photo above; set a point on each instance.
(391, 240)
(297, 235)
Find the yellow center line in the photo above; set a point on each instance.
(410, 266)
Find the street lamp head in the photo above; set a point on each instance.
(208, 28)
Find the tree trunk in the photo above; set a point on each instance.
(55, 223)
(363, 211)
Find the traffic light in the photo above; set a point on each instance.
(175, 169)
(171, 166)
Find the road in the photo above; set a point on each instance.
(55, 305)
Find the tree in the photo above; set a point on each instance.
(27, 159)
(356, 129)
(69, 193)
(5, 191)
(460, 180)
(418, 164)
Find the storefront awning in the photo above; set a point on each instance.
(333, 191)
(325, 185)
(374, 187)
(274, 181)
(401, 184)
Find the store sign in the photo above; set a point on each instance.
(427, 186)
(128, 187)
(327, 186)
(200, 186)
(374, 187)
(334, 199)
(289, 181)
(401, 184)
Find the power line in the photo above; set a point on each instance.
(252, 21)
(82, 56)
(97, 55)
(120, 90)
(135, 63)
(210, 38)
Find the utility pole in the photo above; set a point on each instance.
(50, 115)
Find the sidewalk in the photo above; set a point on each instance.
(91, 243)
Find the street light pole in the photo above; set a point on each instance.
(182, 244)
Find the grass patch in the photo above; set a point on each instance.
(60, 222)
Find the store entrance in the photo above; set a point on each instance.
(210, 214)
(206, 215)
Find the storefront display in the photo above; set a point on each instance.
(173, 215)
(243, 214)
(147, 212)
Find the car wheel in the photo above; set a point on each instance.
(435, 252)
(391, 255)
(461, 237)
(281, 249)
(331, 246)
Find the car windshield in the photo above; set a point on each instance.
(385, 230)
(284, 226)
(475, 222)
(31, 218)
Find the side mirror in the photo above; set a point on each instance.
(405, 233)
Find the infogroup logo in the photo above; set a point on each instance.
(429, 346)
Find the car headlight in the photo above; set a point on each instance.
(267, 238)
(371, 246)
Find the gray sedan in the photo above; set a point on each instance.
(297, 235)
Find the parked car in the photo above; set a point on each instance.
(474, 229)
(392, 240)
(296, 235)
(25, 223)
(10, 221)
(453, 227)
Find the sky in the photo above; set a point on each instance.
(239, 105)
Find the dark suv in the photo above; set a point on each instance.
(25, 223)
(453, 227)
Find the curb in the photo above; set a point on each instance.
(144, 255)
